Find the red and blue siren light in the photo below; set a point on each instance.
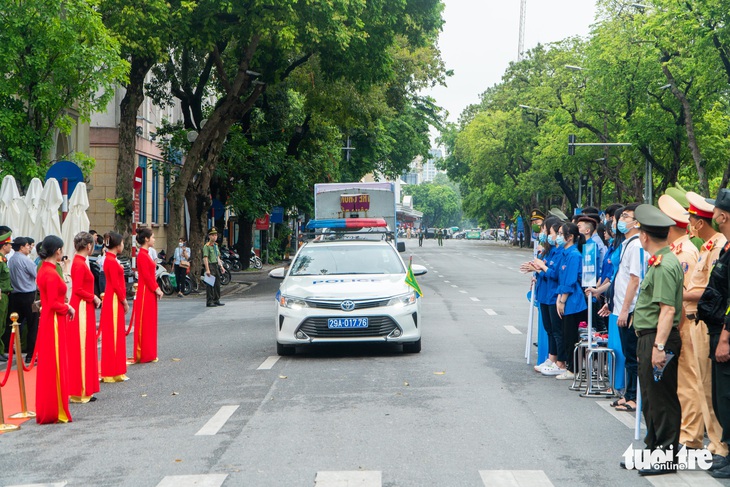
(345, 223)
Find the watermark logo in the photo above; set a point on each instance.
(686, 459)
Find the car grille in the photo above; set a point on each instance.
(378, 326)
(358, 304)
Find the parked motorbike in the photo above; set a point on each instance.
(163, 278)
(231, 256)
(255, 261)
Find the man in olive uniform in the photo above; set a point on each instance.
(656, 321)
(5, 288)
(440, 236)
(720, 332)
(213, 267)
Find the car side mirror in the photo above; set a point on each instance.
(401, 246)
(278, 273)
(418, 270)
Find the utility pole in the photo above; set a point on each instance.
(523, 19)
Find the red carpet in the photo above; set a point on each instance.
(11, 394)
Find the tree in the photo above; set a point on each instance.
(56, 57)
(440, 205)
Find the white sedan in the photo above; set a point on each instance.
(342, 291)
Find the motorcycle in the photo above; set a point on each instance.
(255, 261)
(231, 256)
(163, 278)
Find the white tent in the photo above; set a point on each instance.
(33, 227)
(51, 199)
(12, 207)
(76, 220)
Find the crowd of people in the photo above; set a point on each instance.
(662, 293)
(60, 324)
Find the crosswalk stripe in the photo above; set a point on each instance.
(626, 418)
(53, 484)
(268, 363)
(355, 478)
(490, 312)
(697, 478)
(515, 478)
(512, 330)
(207, 480)
(215, 423)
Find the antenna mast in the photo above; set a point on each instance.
(523, 18)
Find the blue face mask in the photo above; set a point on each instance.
(543, 238)
(622, 227)
(550, 240)
(559, 240)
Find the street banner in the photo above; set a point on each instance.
(590, 269)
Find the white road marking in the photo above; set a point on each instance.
(474, 299)
(515, 478)
(215, 423)
(269, 362)
(54, 484)
(696, 478)
(490, 312)
(441, 276)
(625, 417)
(462, 291)
(454, 285)
(349, 479)
(447, 282)
(207, 480)
(512, 330)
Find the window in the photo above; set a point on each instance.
(167, 202)
(155, 192)
(143, 191)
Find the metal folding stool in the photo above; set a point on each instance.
(601, 377)
(580, 379)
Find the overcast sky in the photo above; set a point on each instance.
(480, 39)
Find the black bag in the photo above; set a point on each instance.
(711, 307)
(608, 295)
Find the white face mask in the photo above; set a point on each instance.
(180, 244)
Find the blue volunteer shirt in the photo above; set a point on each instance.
(553, 273)
(542, 288)
(569, 281)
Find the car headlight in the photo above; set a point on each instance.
(403, 299)
(292, 303)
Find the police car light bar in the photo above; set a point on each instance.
(351, 223)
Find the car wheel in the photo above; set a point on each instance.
(413, 347)
(284, 350)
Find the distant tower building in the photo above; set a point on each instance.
(429, 167)
(414, 175)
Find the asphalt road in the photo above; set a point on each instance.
(217, 409)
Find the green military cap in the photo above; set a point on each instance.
(678, 194)
(650, 217)
(537, 215)
(6, 238)
(213, 231)
(558, 213)
(722, 201)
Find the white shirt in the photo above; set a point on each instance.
(633, 263)
(153, 254)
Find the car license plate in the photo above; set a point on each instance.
(347, 322)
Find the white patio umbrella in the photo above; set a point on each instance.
(51, 199)
(33, 227)
(12, 207)
(76, 221)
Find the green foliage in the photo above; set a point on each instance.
(118, 204)
(440, 204)
(57, 63)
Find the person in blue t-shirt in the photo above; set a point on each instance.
(571, 302)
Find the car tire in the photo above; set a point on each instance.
(413, 347)
(284, 350)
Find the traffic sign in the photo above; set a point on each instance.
(137, 185)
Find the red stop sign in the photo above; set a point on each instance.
(137, 184)
(502, 225)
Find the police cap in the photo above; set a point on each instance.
(650, 217)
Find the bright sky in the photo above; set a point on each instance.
(480, 39)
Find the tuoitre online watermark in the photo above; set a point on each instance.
(686, 459)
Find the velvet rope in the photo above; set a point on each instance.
(131, 321)
(10, 360)
(32, 362)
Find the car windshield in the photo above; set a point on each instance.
(347, 259)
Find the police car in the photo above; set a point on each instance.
(347, 285)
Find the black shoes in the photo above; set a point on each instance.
(656, 471)
(3, 357)
(219, 304)
(211, 305)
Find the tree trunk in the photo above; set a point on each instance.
(691, 137)
(127, 160)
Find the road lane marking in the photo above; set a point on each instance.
(628, 419)
(349, 479)
(441, 277)
(215, 423)
(696, 478)
(490, 312)
(269, 362)
(512, 330)
(515, 478)
(462, 291)
(54, 484)
(474, 299)
(447, 282)
(454, 285)
(207, 480)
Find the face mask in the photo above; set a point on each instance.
(550, 240)
(623, 227)
(715, 225)
(180, 244)
(536, 228)
(559, 240)
(542, 238)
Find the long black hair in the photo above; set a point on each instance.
(578, 238)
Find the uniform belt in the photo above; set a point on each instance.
(641, 333)
(692, 317)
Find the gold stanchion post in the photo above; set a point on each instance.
(19, 364)
(5, 426)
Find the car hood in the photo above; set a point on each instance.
(358, 286)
